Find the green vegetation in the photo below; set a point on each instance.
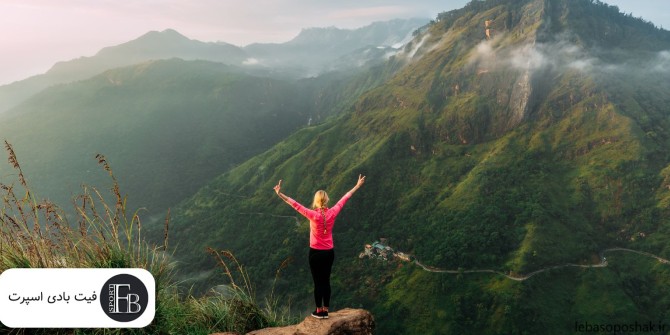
(474, 160)
(542, 146)
(35, 233)
(168, 126)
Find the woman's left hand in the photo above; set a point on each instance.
(277, 187)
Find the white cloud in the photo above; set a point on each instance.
(528, 57)
(560, 55)
(582, 64)
(662, 62)
(414, 48)
(250, 61)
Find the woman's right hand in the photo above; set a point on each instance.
(277, 187)
(361, 180)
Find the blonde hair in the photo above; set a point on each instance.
(320, 199)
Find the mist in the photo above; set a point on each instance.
(563, 56)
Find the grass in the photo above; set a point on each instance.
(38, 234)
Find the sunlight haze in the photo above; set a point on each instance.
(39, 33)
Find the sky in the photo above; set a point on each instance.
(35, 34)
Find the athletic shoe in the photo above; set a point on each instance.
(319, 315)
(324, 314)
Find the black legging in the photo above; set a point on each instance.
(320, 263)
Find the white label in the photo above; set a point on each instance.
(77, 298)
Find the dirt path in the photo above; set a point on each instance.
(522, 277)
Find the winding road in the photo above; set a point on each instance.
(520, 277)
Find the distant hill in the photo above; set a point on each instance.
(314, 50)
(150, 46)
(153, 45)
(542, 144)
(309, 54)
(167, 127)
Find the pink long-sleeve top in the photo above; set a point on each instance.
(317, 239)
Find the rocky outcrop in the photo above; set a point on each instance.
(344, 322)
(347, 321)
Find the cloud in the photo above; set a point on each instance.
(251, 61)
(582, 64)
(413, 48)
(563, 56)
(527, 57)
(662, 63)
(482, 51)
(560, 56)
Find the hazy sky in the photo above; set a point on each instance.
(34, 34)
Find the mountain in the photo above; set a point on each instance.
(167, 127)
(388, 33)
(309, 54)
(82, 109)
(542, 148)
(150, 46)
(314, 50)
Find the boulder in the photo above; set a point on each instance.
(343, 322)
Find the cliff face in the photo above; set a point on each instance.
(344, 322)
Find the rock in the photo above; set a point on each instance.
(344, 322)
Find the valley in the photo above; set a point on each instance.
(518, 148)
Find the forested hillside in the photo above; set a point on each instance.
(541, 142)
(167, 127)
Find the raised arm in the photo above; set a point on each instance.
(338, 206)
(361, 180)
(306, 212)
(277, 189)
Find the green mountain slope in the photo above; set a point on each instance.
(166, 127)
(153, 45)
(543, 146)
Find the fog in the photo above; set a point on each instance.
(562, 56)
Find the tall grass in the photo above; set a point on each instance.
(38, 234)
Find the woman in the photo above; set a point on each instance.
(321, 253)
